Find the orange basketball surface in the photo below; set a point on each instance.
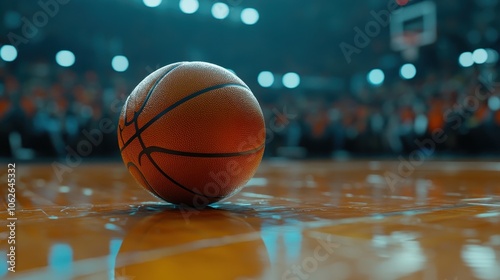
(192, 133)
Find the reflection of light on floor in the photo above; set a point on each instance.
(61, 258)
(422, 190)
(482, 260)
(488, 215)
(404, 259)
(270, 238)
(375, 179)
(114, 247)
(110, 226)
(293, 243)
(87, 191)
(255, 195)
(291, 239)
(257, 182)
(64, 189)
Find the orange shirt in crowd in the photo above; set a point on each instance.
(4, 107)
(497, 118)
(435, 116)
(28, 106)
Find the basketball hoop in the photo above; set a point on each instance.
(414, 27)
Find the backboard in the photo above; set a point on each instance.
(413, 26)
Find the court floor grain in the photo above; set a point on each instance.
(294, 220)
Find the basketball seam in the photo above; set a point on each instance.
(155, 149)
(136, 114)
(175, 105)
(155, 164)
(150, 93)
(139, 138)
(129, 164)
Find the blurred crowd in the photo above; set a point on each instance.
(45, 110)
(442, 113)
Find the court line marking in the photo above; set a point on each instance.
(486, 204)
(94, 209)
(478, 199)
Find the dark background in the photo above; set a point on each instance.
(335, 111)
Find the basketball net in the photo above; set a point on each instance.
(410, 54)
(409, 43)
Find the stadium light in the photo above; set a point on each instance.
(465, 59)
(220, 10)
(249, 16)
(119, 63)
(189, 6)
(480, 56)
(265, 79)
(291, 80)
(65, 58)
(376, 77)
(408, 71)
(152, 3)
(8, 53)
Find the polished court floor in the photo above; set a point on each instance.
(295, 220)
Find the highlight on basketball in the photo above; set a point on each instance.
(238, 140)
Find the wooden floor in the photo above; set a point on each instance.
(294, 220)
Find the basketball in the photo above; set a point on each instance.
(191, 133)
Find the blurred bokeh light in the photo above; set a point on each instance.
(8, 53)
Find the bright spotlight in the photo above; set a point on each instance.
(408, 71)
(8, 53)
(465, 59)
(220, 10)
(119, 63)
(480, 56)
(189, 6)
(265, 79)
(291, 80)
(376, 77)
(152, 3)
(65, 58)
(249, 16)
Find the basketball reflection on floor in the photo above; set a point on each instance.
(212, 244)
